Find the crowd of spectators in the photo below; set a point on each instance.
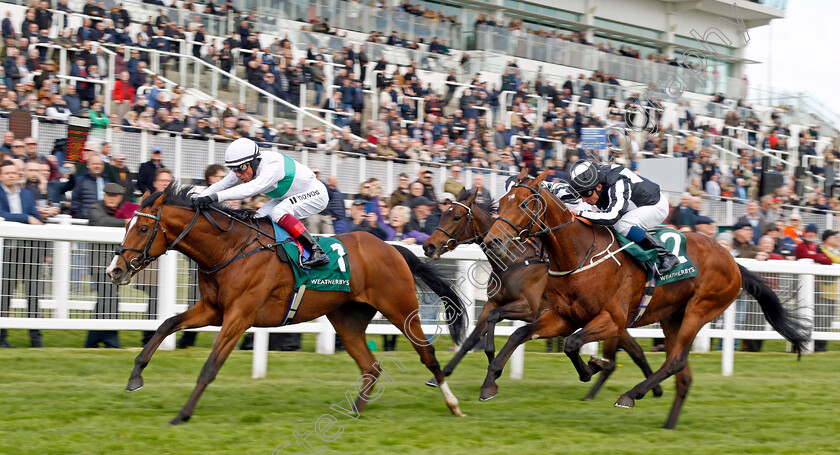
(452, 130)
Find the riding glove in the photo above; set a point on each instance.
(204, 201)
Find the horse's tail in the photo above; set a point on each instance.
(785, 322)
(456, 312)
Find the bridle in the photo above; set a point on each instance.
(145, 259)
(526, 231)
(469, 224)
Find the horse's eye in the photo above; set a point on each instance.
(457, 218)
(144, 228)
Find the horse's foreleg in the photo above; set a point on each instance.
(601, 327)
(202, 314)
(610, 347)
(549, 324)
(232, 329)
(638, 355)
(519, 310)
(478, 332)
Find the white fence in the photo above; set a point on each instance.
(62, 302)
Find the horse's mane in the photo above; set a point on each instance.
(177, 195)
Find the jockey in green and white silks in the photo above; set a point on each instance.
(294, 190)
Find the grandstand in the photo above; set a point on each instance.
(374, 90)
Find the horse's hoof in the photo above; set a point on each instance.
(598, 363)
(432, 383)
(489, 392)
(457, 413)
(625, 401)
(657, 391)
(587, 398)
(134, 384)
(177, 420)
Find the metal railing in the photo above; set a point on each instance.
(64, 299)
(351, 15)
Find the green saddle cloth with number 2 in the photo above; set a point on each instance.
(675, 242)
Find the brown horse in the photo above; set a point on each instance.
(602, 299)
(243, 284)
(516, 287)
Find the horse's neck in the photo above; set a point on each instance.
(205, 244)
(483, 221)
(567, 246)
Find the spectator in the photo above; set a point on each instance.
(766, 247)
(148, 171)
(107, 212)
(365, 220)
(706, 226)
(483, 197)
(809, 249)
(426, 179)
(422, 219)
(401, 194)
(742, 244)
(684, 215)
(827, 289)
(398, 221)
(19, 207)
(89, 188)
(756, 222)
(58, 110)
(123, 94)
(455, 183)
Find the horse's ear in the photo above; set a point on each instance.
(541, 177)
(145, 195)
(463, 194)
(471, 197)
(523, 173)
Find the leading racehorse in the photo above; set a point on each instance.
(515, 288)
(243, 284)
(599, 293)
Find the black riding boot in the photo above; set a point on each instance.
(667, 260)
(317, 257)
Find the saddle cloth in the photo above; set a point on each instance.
(334, 276)
(675, 242)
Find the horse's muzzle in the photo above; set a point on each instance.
(497, 247)
(430, 250)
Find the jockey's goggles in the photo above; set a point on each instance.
(240, 167)
(587, 193)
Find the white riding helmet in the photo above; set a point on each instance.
(241, 151)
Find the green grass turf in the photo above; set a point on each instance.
(70, 400)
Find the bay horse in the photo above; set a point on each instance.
(244, 284)
(516, 287)
(600, 296)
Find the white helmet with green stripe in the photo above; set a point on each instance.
(242, 151)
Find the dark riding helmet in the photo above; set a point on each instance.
(584, 177)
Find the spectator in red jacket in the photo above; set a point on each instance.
(123, 94)
(808, 249)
